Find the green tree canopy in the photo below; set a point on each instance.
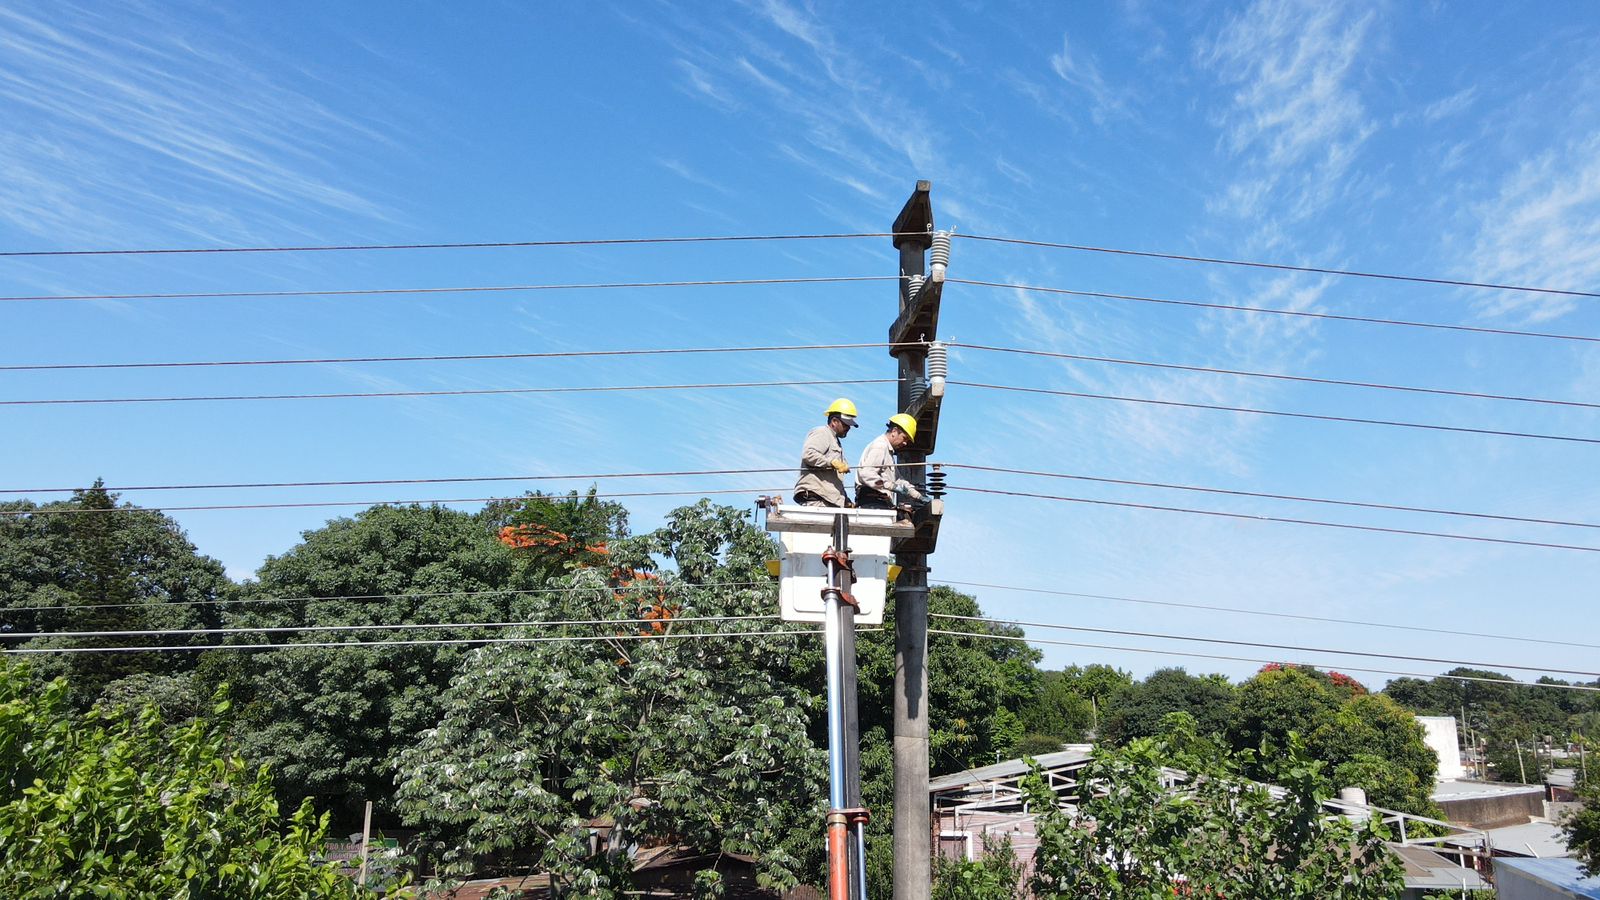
(114, 803)
(1138, 709)
(109, 567)
(1138, 835)
(658, 737)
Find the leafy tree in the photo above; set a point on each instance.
(1138, 709)
(698, 741)
(109, 567)
(1583, 827)
(329, 720)
(997, 875)
(1057, 710)
(113, 803)
(1138, 836)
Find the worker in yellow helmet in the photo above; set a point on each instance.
(822, 465)
(878, 481)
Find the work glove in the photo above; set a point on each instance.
(912, 493)
(841, 466)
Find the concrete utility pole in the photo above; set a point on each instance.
(916, 324)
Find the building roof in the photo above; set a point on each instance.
(1011, 768)
(1426, 869)
(1445, 791)
(1566, 874)
(1544, 840)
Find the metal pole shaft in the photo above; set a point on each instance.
(838, 835)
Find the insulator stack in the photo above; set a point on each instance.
(939, 257)
(938, 367)
(936, 482)
(918, 387)
(913, 286)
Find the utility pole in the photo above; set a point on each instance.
(913, 329)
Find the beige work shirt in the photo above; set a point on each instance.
(817, 474)
(877, 469)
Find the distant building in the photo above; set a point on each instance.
(1443, 739)
(1542, 879)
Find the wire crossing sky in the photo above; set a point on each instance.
(1196, 211)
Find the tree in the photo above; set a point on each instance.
(329, 720)
(114, 803)
(1583, 827)
(91, 564)
(654, 736)
(1364, 740)
(997, 875)
(1137, 835)
(1138, 709)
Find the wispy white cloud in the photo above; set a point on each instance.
(112, 120)
(1081, 71)
(1542, 228)
(1446, 107)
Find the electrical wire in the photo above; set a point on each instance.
(376, 481)
(320, 503)
(1355, 420)
(425, 642)
(1193, 655)
(1268, 310)
(458, 245)
(1283, 267)
(774, 470)
(1306, 379)
(470, 289)
(475, 392)
(349, 597)
(1392, 507)
(1206, 607)
(567, 354)
(403, 626)
(1279, 519)
(1232, 642)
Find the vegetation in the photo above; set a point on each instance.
(505, 755)
(1216, 833)
(116, 803)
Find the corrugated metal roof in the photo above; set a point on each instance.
(1008, 769)
(1565, 874)
(1426, 869)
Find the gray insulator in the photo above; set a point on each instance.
(938, 360)
(940, 255)
(913, 286)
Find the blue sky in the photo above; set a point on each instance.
(1457, 141)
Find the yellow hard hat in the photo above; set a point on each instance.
(844, 408)
(906, 424)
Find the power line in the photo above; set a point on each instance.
(458, 245)
(1291, 497)
(1284, 267)
(1255, 518)
(1271, 646)
(1204, 607)
(315, 504)
(1273, 375)
(161, 604)
(1268, 310)
(1355, 420)
(1192, 655)
(481, 289)
(474, 392)
(403, 626)
(428, 642)
(442, 358)
(376, 481)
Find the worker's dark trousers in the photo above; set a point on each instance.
(867, 498)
